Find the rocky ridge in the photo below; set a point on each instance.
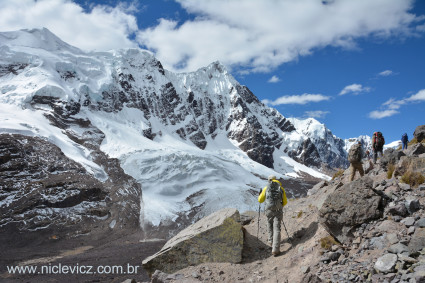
(42, 189)
(368, 230)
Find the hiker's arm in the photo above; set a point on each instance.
(262, 196)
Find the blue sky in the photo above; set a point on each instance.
(356, 66)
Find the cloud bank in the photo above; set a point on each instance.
(103, 28)
(258, 36)
(249, 36)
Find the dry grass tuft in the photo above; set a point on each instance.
(414, 179)
(390, 171)
(327, 242)
(338, 174)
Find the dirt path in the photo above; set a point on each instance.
(107, 260)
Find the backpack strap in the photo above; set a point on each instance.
(262, 196)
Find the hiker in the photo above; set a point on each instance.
(275, 198)
(404, 140)
(378, 142)
(355, 155)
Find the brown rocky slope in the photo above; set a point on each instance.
(368, 230)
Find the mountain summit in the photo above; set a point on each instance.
(196, 142)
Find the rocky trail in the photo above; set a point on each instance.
(368, 230)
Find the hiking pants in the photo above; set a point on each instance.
(404, 145)
(274, 218)
(356, 166)
(375, 155)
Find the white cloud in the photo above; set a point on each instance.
(297, 99)
(274, 79)
(237, 34)
(316, 114)
(354, 89)
(386, 73)
(420, 96)
(382, 114)
(392, 106)
(103, 28)
(233, 32)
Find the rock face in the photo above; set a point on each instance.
(350, 206)
(215, 238)
(419, 133)
(43, 189)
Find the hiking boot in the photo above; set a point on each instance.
(275, 253)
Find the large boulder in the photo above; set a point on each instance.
(391, 156)
(348, 207)
(419, 133)
(409, 163)
(215, 238)
(416, 149)
(417, 243)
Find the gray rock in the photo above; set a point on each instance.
(408, 221)
(392, 238)
(350, 206)
(391, 156)
(386, 263)
(407, 259)
(404, 187)
(420, 223)
(215, 238)
(416, 149)
(411, 230)
(417, 243)
(412, 205)
(419, 276)
(419, 133)
(398, 248)
(398, 209)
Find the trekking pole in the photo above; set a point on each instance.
(289, 238)
(258, 221)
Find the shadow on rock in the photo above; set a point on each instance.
(303, 235)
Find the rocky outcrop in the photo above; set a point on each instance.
(350, 206)
(391, 156)
(42, 189)
(419, 133)
(215, 238)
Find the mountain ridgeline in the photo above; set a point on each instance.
(195, 106)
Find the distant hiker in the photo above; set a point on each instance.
(404, 140)
(275, 198)
(355, 155)
(378, 142)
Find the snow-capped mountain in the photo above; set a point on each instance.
(196, 142)
(366, 142)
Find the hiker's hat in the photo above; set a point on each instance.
(272, 177)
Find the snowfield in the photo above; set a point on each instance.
(176, 175)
